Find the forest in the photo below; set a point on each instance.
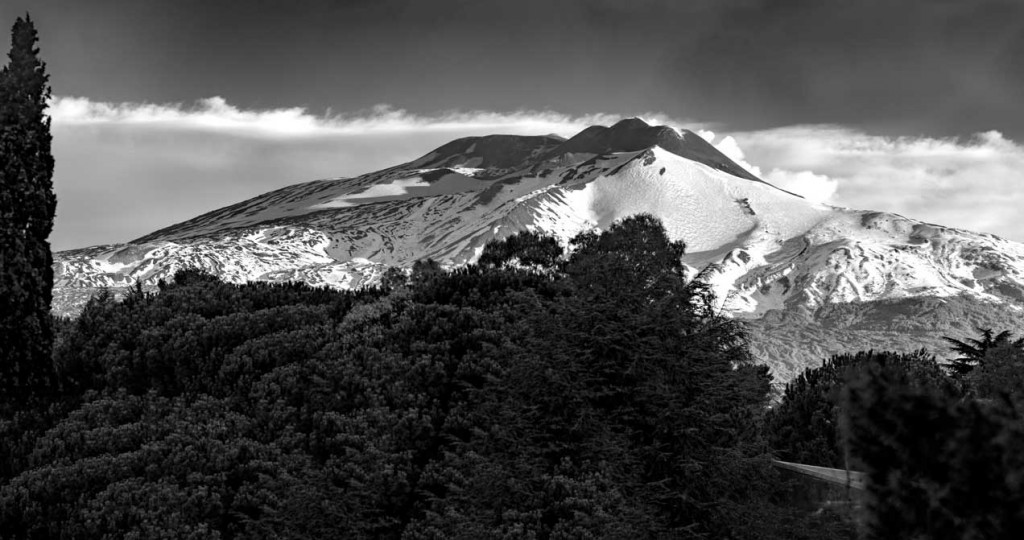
(548, 391)
(536, 394)
(531, 395)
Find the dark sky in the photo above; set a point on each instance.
(889, 105)
(910, 67)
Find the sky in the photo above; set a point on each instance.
(165, 109)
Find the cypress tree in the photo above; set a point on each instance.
(27, 206)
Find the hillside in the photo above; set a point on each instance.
(771, 255)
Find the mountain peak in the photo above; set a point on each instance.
(774, 258)
(503, 154)
(635, 134)
(627, 124)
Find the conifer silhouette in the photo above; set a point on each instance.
(972, 351)
(27, 206)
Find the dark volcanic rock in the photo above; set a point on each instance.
(633, 134)
(495, 151)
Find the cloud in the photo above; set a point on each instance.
(215, 114)
(813, 187)
(972, 183)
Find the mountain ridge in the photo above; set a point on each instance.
(764, 250)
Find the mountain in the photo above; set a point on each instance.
(809, 279)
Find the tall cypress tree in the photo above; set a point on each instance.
(27, 206)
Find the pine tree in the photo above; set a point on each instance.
(27, 206)
(972, 351)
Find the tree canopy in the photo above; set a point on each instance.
(805, 426)
(526, 397)
(972, 351)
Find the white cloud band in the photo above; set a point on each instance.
(216, 114)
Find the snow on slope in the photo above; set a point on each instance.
(271, 254)
(858, 256)
(328, 231)
(762, 248)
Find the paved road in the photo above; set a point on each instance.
(840, 477)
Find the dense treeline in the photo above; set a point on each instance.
(805, 427)
(939, 467)
(943, 446)
(535, 395)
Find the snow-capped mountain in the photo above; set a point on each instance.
(770, 254)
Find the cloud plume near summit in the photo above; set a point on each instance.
(126, 169)
(973, 184)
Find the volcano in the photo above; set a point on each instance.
(807, 278)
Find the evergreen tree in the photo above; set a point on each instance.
(804, 426)
(512, 400)
(972, 351)
(938, 466)
(526, 247)
(27, 205)
(1000, 375)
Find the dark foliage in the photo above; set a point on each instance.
(526, 248)
(1000, 375)
(972, 351)
(942, 451)
(805, 426)
(939, 467)
(492, 401)
(27, 205)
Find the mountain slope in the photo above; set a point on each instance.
(769, 253)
